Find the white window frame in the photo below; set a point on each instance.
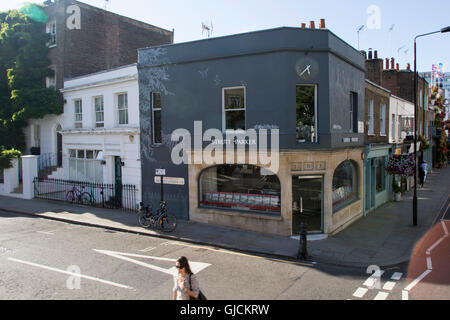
(78, 123)
(382, 119)
(316, 116)
(153, 116)
(118, 110)
(224, 118)
(370, 129)
(99, 124)
(51, 29)
(82, 161)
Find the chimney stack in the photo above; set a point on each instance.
(312, 25)
(303, 25)
(322, 24)
(392, 63)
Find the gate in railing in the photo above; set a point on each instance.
(99, 195)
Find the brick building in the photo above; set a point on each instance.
(401, 84)
(86, 39)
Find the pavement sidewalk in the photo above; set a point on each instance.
(384, 237)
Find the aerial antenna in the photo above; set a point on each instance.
(358, 31)
(105, 6)
(207, 28)
(390, 37)
(398, 52)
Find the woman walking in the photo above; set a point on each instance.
(186, 283)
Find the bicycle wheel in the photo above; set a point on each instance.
(167, 222)
(70, 196)
(144, 221)
(86, 199)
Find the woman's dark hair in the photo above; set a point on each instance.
(184, 263)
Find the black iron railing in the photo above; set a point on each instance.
(99, 195)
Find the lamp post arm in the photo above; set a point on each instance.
(426, 34)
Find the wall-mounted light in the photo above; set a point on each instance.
(103, 162)
(131, 137)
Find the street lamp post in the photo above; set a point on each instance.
(444, 30)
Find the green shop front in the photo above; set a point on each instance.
(376, 180)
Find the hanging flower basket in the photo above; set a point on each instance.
(402, 165)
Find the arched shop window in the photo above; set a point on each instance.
(240, 187)
(345, 185)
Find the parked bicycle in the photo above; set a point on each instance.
(162, 220)
(79, 196)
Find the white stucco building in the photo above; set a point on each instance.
(97, 137)
(401, 119)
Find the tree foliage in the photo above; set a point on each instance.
(24, 66)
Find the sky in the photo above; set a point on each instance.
(409, 17)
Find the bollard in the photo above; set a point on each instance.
(302, 248)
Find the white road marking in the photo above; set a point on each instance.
(415, 282)
(444, 227)
(360, 292)
(388, 286)
(70, 273)
(46, 232)
(146, 249)
(195, 266)
(397, 276)
(373, 279)
(381, 296)
(307, 264)
(429, 264)
(405, 295)
(435, 245)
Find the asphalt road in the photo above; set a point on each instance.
(46, 259)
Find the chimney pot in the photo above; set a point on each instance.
(312, 25)
(370, 54)
(375, 53)
(303, 25)
(387, 64)
(322, 24)
(408, 67)
(397, 66)
(392, 63)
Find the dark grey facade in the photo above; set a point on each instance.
(269, 64)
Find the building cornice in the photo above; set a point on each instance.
(97, 131)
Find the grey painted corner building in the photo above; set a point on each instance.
(307, 84)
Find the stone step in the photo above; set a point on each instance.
(45, 173)
(18, 189)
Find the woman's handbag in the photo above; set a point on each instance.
(201, 296)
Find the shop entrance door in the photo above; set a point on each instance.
(307, 203)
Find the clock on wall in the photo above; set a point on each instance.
(307, 68)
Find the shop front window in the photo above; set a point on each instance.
(240, 187)
(345, 185)
(380, 174)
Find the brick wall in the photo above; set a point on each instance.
(105, 40)
(379, 97)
